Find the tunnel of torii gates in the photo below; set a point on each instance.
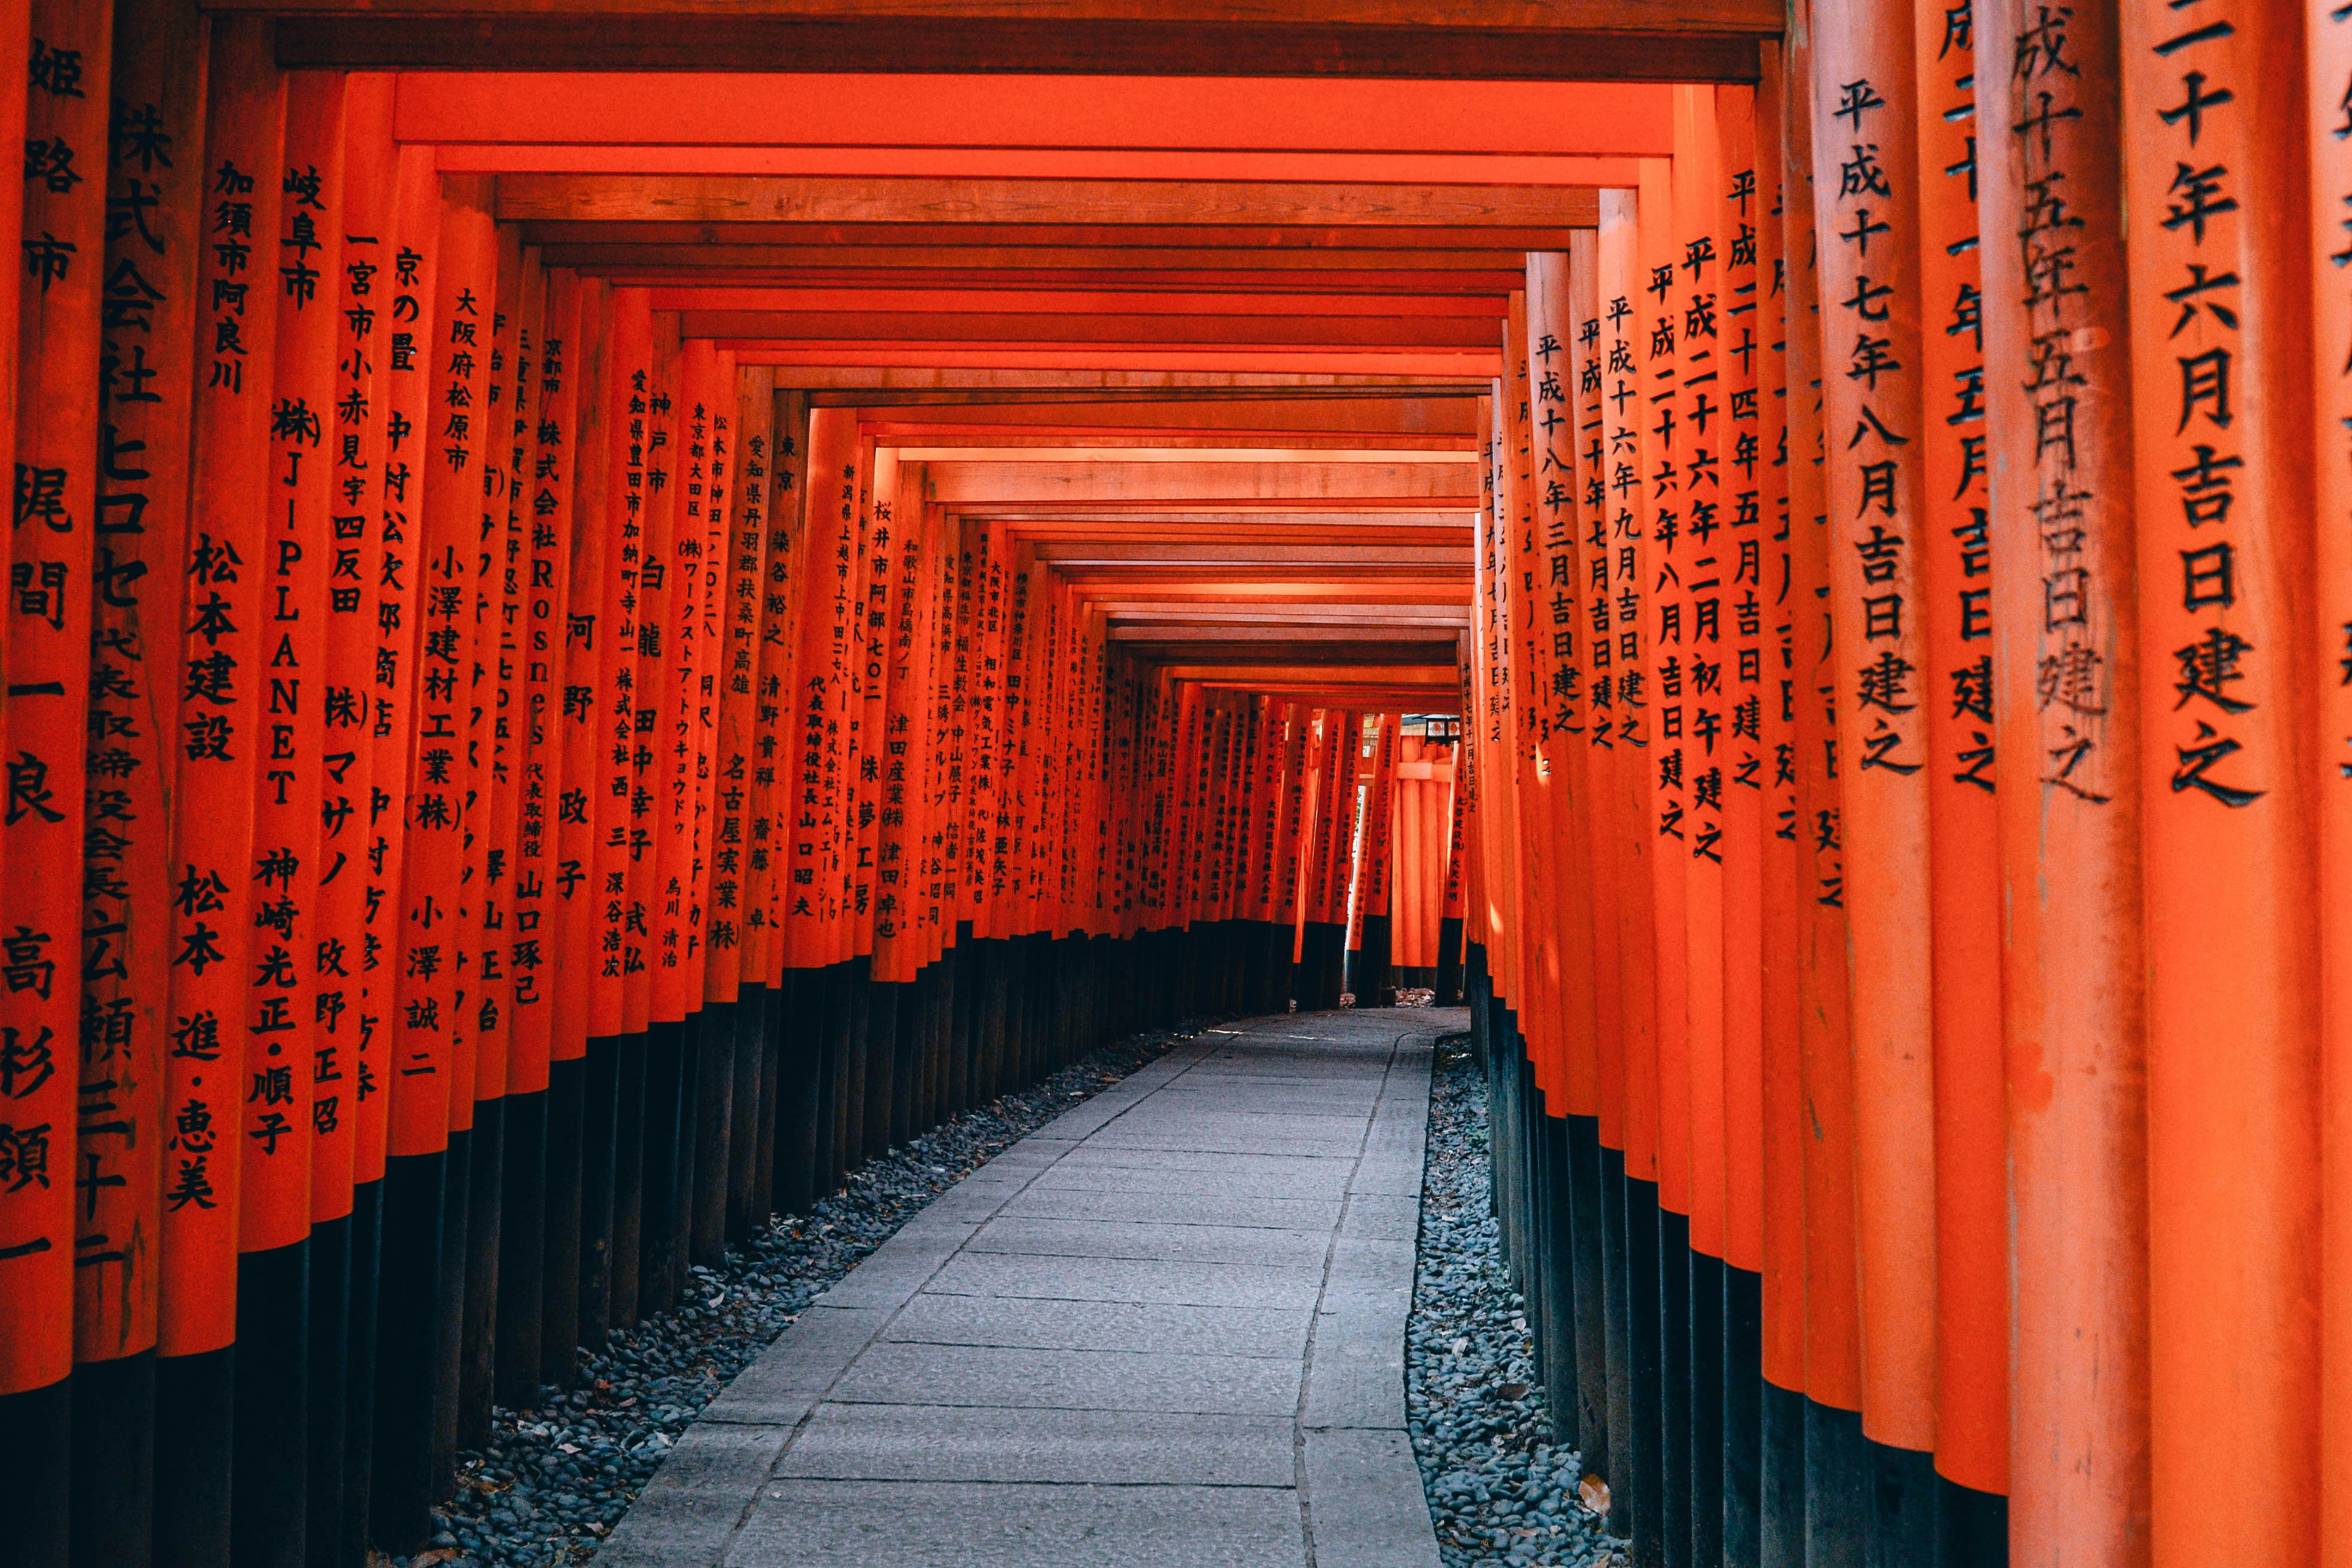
(608, 613)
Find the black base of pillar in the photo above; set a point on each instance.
(271, 1491)
(407, 1350)
(113, 1444)
(195, 1405)
(521, 1271)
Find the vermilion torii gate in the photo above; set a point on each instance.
(611, 609)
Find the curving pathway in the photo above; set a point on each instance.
(1165, 1329)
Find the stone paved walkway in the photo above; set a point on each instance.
(1166, 1330)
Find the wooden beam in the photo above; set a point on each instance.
(878, 109)
(856, 384)
(1607, 40)
(1402, 366)
(1368, 329)
(1217, 244)
(802, 299)
(1035, 163)
(752, 198)
(1407, 485)
(661, 255)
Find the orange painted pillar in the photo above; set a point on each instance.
(1784, 892)
(1629, 1114)
(217, 737)
(1864, 130)
(2073, 967)
(1559, 629)
(736, 943)
(1832, 1332)
(2328, 43)
(658, 679)
(1604, 569)
(628, 381)
(1742, 357)
(286, 1083)
(1701, 551)
(545, 710)
(579, 716)
(1658, 319)
(137, 595)
(412, 685)
(1964, 878)
(2213, 160)
(52, 553)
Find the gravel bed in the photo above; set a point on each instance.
(1481, 1426)
(558, 1478)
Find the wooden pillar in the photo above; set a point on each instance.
(2215, 180)
(2067, 703)
(1864, 135)
(137, 595)
(54, 421)
(2329, 46)
(1955, 549)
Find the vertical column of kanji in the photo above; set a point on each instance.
(1709, 576)
(482, 419)
(351, 1102)
(1526, 787)
(737, 952)
(648, 1006)
(554, 825)
(786, 1061)
(531, 604)
(812, 709)
(699, 389)
(1745, 465)
(415, 1055)
(1956, 574)
(1592, 829)
(136, 599)
(137, 596)
(1628, 1059)
(713, 1104)
(1628, 1103)
(1293, 853)
(2214, 183)
(1865, 128)
(436, 888)
(1559, 689)
(2329, 47)
(585, 391)
(847, 926)
(1656, 327)
(903, 649)
(506, 398)
(629, 370)
(42, 1170)
(280, 1299)
(1833, 1436)
(1783, 1305)
(215, 742)
(877, 602)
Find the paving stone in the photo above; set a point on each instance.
(1163, 1243)
(901, 1524)
(1213, 1384)
(1103, 1325)
(1106, 1280)
(946, 1443)
(1321, 1215)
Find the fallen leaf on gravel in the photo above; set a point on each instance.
(1512, 1390)
(1593, 1493)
